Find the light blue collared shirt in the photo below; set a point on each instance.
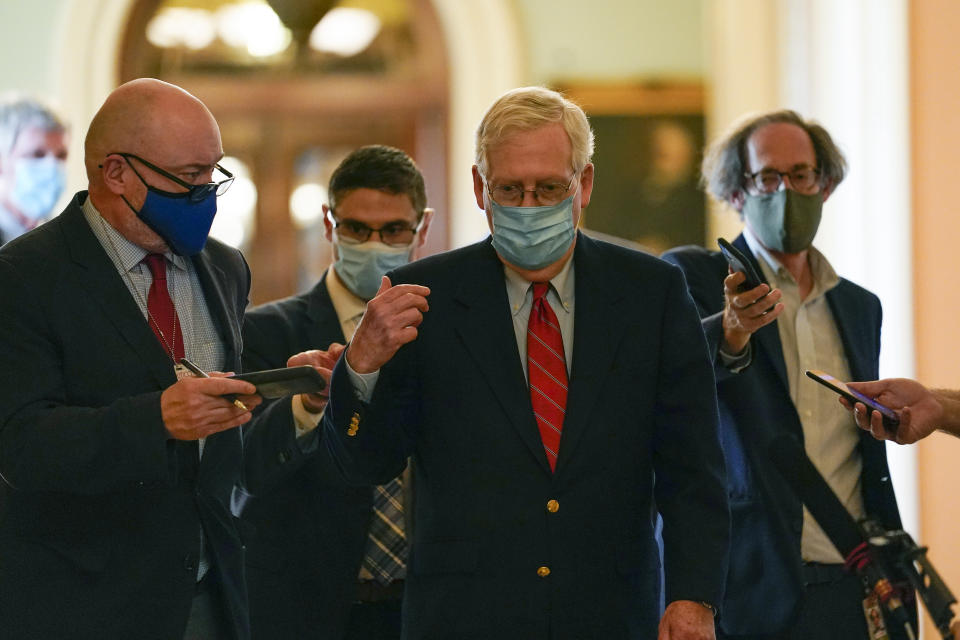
(560, 297)
(520, 296)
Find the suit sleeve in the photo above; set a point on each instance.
(272, 452)
(706, 289)
(370, 443)
(689, 465)
(49, 444)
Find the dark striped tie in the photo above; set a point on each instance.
(547, 369)
(387, 547)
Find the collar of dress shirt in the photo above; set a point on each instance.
(517, 287)
(128, 254)
(824, 275)
(346, 303)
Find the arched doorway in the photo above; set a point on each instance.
(288, 114)
(485, 57)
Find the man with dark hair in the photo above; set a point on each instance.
(33, 150)
(786, 579)
(318, 565)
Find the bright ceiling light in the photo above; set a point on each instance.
(306, 204)
(254, 26)
(181, 26)
(345, 31)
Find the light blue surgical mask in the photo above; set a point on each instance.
(362, 266)
(38, 183)
(533, 237)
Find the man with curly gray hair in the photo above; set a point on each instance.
(786, 579)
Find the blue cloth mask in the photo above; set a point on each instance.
(362, 266)
(182, 223)
(38, 183)
(533, 237)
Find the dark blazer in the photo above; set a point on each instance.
(641, 403)
(99, 537)
(311, 528)
(764, 586)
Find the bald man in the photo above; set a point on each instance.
(119, 463)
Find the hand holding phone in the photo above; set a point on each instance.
(890, 418)
(739, 262)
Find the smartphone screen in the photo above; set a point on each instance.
(890, 417)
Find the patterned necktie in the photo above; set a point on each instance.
(386, 554)
(160, 311)
(547, 369)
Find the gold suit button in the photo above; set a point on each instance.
(543, 572)
(553, 506)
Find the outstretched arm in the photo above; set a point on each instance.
(922, 410)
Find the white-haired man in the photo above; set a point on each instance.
(553, 392)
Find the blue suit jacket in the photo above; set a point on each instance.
(641, 403)
(100, 534)
(310, 529)
(763, 584)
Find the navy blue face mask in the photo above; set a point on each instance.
(182, 223)
(182, 220)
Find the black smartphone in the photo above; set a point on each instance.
(739, 262)
(278, 383)
(890, 418)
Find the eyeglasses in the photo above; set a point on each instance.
(802, 179)
(196, 192)
(392, 234)
(546, 193)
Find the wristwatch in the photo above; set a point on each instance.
(710, 607)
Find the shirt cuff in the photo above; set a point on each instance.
(303, 421)
(363, 383)
(736, 363)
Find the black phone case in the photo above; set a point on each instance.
(278, 383)
(739, 262)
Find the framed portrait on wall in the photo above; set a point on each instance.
(649, 145)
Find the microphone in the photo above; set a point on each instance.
(837, 523)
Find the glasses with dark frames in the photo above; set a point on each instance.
(803, 179)
(392, 234)
(195, 192)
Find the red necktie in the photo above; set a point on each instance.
(547, 369)
(161, 314)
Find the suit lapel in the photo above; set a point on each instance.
(597, 330)
(848, 317)
(217, 451)
(212, 280)
(323, 317)
(766, 340)
(98, 277)
(485, 326)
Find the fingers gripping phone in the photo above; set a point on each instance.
(739, 262)
(890, 418)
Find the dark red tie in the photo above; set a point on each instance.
(161, 314)
(547, 369)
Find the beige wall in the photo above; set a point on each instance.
(935, 129)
